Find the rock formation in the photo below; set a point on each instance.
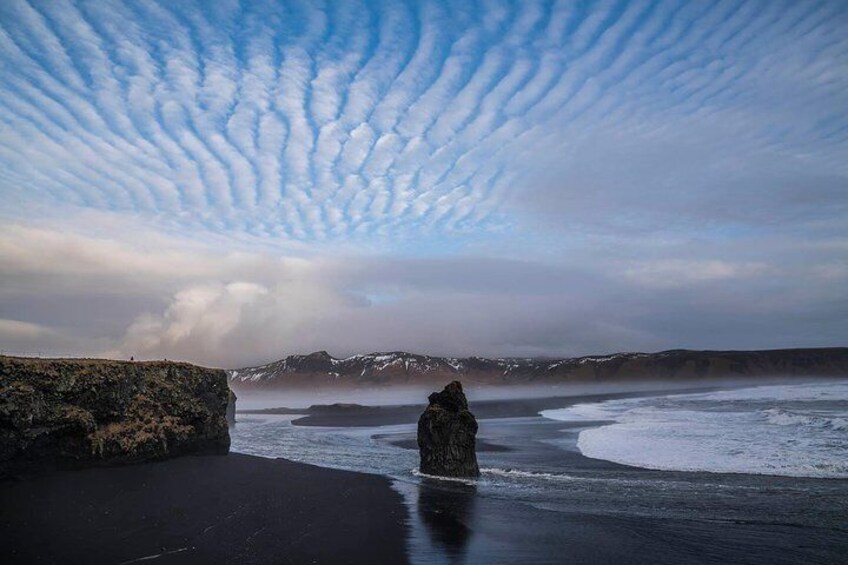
(77, 412)
(231, 409)
(447, 434)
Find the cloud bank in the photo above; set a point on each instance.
(242, 307)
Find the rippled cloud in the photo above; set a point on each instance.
(653, 147)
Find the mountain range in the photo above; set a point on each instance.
(321, 369)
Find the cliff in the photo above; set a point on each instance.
(406, 368)
(79, 412)
(231, 409)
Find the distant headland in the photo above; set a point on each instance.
(320, 368)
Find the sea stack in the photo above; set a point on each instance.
(447, 434)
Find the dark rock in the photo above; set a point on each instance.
(80, 412)
(446, 435)
(338, 407)
(231, 409)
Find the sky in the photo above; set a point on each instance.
(231, 182)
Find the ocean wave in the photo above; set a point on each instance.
(783, 417)
(785, 430)
(519, 474)
(586, 412)
(486, 472)
(465, 481)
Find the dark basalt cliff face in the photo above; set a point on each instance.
(447, 434)
(231, 409)
(78, 412)
(320, 368)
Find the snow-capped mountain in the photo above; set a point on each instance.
(407, 368)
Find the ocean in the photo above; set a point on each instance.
(790, 430)
(747, 475)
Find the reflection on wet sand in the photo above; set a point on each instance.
(447, 511)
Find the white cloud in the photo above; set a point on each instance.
(170, 298)
(682, 273)
(202, 183)
(162, 110)
(15, 331)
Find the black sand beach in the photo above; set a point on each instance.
(467, 528)
(245, 509)
(205, 509)
(591, 511)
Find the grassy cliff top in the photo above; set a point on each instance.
(88, 410)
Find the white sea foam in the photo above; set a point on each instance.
(790, 430)
(466, 481)
(592, 411)
(519, 474)
(781, 417)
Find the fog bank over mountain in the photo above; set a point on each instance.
(180, 299)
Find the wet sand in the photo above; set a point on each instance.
(204, 509)
(464, 527)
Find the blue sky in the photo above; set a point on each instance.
(229, 182)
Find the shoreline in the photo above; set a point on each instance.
(204, 509)
(361, 416)
(602, 512)
(356, 416)
(248, 509)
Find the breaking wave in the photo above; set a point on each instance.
(788, 430)
(781, 417)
